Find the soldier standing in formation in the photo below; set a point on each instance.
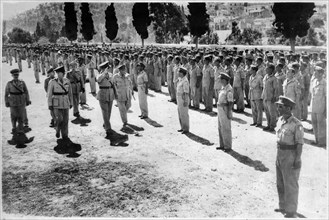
(224, 106)
(255, 95)
(290, 142)
(183, 89)
(123, 87)
(60, 100)
(17, 98)
(142, 86)
(51, 76)
(318, 106)
(77, 84)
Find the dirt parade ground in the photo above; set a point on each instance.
(161, 173)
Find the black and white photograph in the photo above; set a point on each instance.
(164, 110)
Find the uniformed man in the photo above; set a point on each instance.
(82, 70)
(90, 67)
(208, 84)
(77, 85)
(305, 71)
(19, 60)
(51, 76)
(290, 141)
(157, 72)
(195, 82)
(224, 107)
(17, 98)
(318, 106)
(238, 84)
(105, 96)
(183, 100)
(60, 100)
(175, 73)
(270, 96)
(255, 95)
(170, 79)
(291, 89)
(142, 86)
(36, 68)
(123, 86)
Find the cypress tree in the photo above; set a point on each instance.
(111, 22)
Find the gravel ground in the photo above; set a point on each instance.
(161, 173)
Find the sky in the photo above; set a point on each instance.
(12, 8)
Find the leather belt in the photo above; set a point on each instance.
(104, 87)
(60, 93)
(222, 104)
(287, 147)
(16, 93)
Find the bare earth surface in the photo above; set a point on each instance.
(162, 173)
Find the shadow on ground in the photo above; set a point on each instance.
(67, 147)
(198, 139)
(20, 140)
(83, 122)
(256, 164)
(153, 123)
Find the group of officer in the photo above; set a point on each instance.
(281, 84)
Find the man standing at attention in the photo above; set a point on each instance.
(290, 142)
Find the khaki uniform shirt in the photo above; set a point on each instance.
(105, 82)
(16, 93)
(59, 97)
(123, 87)
(290, 131)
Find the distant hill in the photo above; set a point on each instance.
(55, 11)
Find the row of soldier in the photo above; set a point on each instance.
(279, 84)
(256, 76)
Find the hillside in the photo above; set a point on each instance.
(55, 12)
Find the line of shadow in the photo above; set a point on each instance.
(67, 147)
(83, 122)
(198, 139)
(239, 120)
(312, 143)
(256, 164)
(20, 140)
(153, 123)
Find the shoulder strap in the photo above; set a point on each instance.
(19, 89)
(61, 85)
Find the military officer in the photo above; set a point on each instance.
(51, 76)
(183, 100)
(90, 67)
(123, 86)
(60, 100)
(157, 72)
(105, 96)
(290, 135)
(270, 95)
(17, 98)
(170, 79)
(77, 84)
(195, 82)
(142, 86)
(224, 106)
(318, 106)
(238, 84)
(208, 84)
(36, 68)
(255, 95)
(82, 70)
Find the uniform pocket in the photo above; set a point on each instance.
(55, 102)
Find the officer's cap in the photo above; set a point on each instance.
(208, 57)
(104, 65)
(225, 76)
(60, 69)
(283, 100)
(254, 67)
(183, 70)
(295, 65)
(14, 71)
(177, 58)
(141, 64)
(117, 59)
(89, 55)
(50, 70)
(319, 69)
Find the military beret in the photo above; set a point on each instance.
(50, 70)
(283, 100)
(104, 65)
(60, 69)
(14, 71)
(183, 70)
(141, 64)
(224, 76)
